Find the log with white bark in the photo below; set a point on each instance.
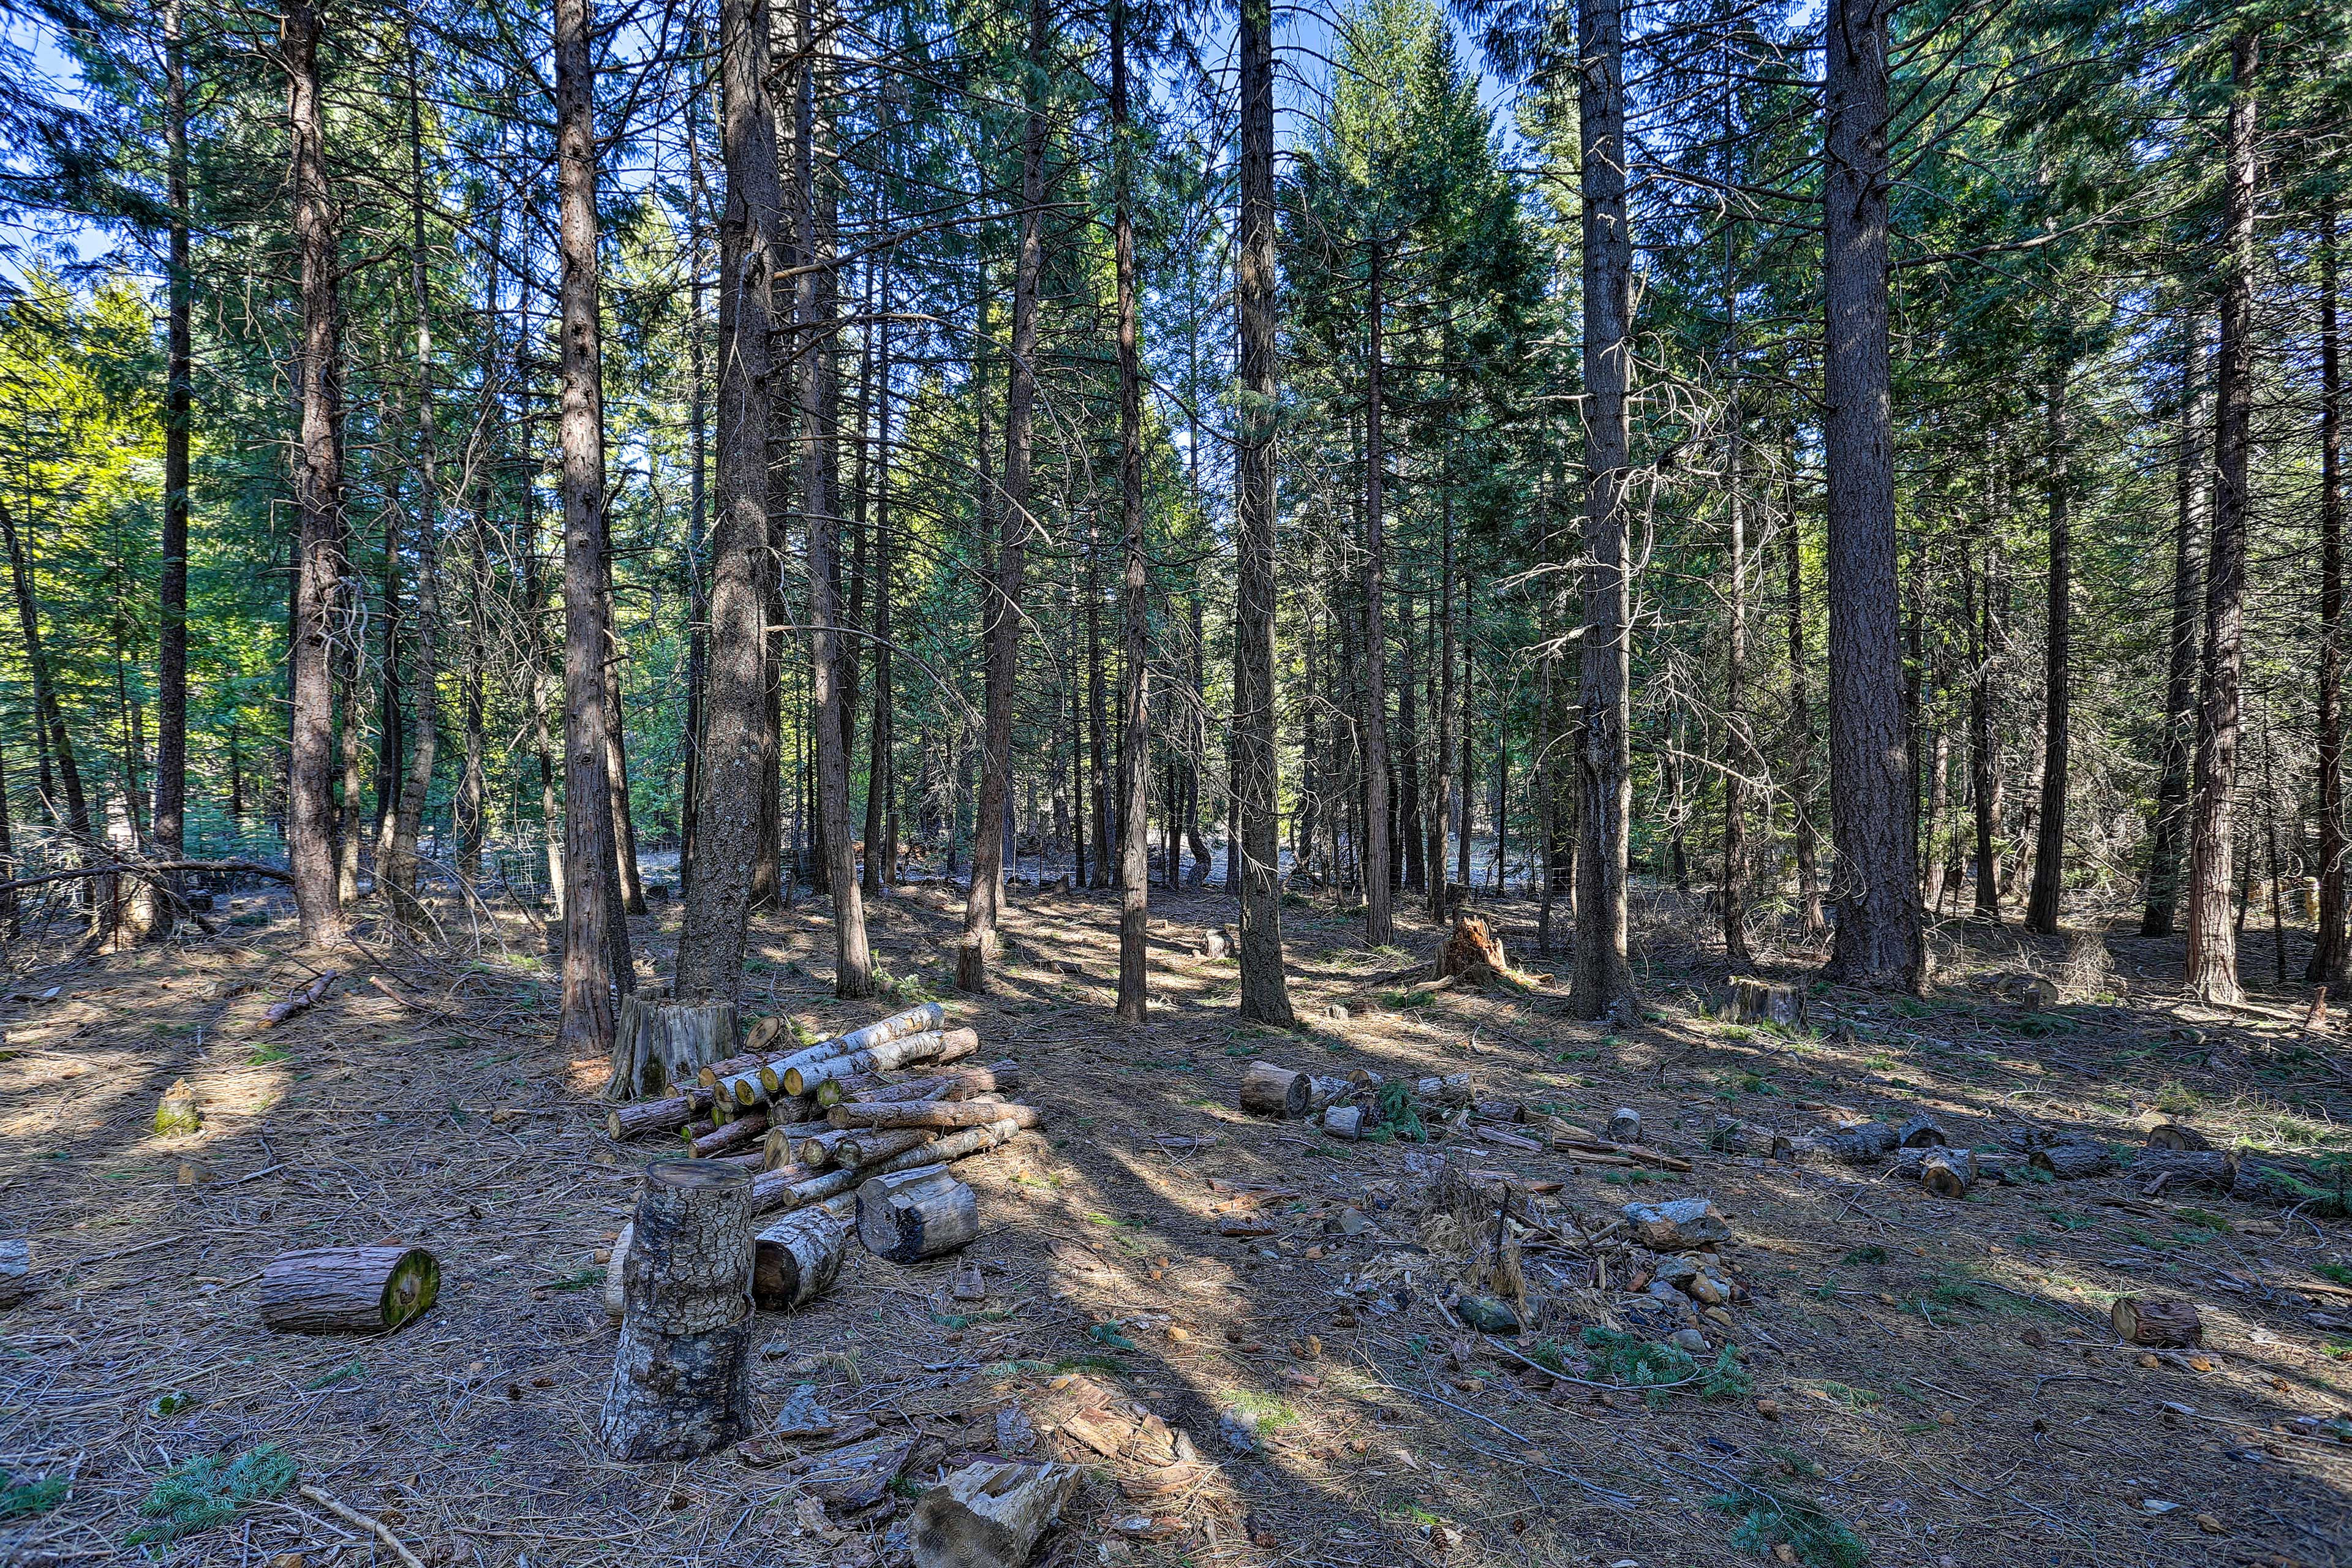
(657, 1045)
(782, 1190)
(1276, 1091)
(15, 1269)
(928, 1046)
(347, 1289)
(770, 1075)
(797, 1258)
(681, 1382)
(1344, 1121)
(2165, 1322)
(941, 1113)
(988, 1514)
(1452, 1089)
(906, 1216)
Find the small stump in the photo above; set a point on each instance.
(658, 1044)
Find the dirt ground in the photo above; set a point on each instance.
(1929, 1383)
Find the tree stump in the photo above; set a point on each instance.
(658, 1044)
(176, 1115)
(1755, 1001)
(2173, 1135)
(15, 1269)
(347, 1289)
(681, 1373)
(1919, 1132)
(908, 1215)
(2071, 1161)
(2167, 1323)
(1269, 1091)
(988, 1514)
(1218, 942)
(1625, 1125)
(1948, 1172)
(796, 1259)
(1471, 951)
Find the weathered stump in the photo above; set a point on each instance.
(988, 1514)
(658, 1044)
(1471, 951)
(347, 1289)
(1625, 1125)
(1755, 1001)
(681, 1373)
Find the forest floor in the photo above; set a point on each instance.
(1933, 1383)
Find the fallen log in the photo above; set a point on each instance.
(988, 1514)
(779, 1146)
(1324, 1089)
(2262, 1181)
(2215, 1169)
(797, 1258)
(1735, 1135)
(307, 996)
(1279, 1092)
(933, 1113)
(1910, 1164)
(1947, 1173)
(2173, 1135)
(906, 1216)
(929, 1045)
(1452, 1089)
(2165, 1322)
(1862, 1146)
(872, 1146)
(1625, 1125)
(624, 1122)
(2073, 1161)
(15, 1269)
(1344, 1121)
(681, 1383)
(737, 1135)
(1920, 1132)
(347, 1289)
(1627, 1153)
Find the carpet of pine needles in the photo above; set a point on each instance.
(1941, 1382)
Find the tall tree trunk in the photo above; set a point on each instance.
(2050, 848)
(2212, 968)
(1001, 626)
(1265, 997)
(1603, 983)
(2168, 831)
(1441, 790)
(398, 872)
(726, 804)
(1380, 925)
(1098, 715)
(318, 498)
(596, 933)
(1741, 745)
(697, 516)
(881, 818)
(829, 661)
(1135, 701)
(171, 639)
(2328, 957)
(1873, 791)
(1801, 718)
(628, 881)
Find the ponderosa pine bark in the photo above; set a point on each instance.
(172, 588)
(2212, 966)
(2328, 958)
(1135, 700)
(2057, 718)
(2168, 831)
(397, 875)
(1265, 997)
(1877, 886)
(318, 495)
(1603, 983)
(1001, 624)
(726, 808)
(596, 960)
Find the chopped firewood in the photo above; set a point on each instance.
(797, 1258)
(1344, 1121)
(1911, 1164)
(307, 996)
(925, 1046)
(681, 1381)
(658, 1044)
(908, 1215)
(872, 1145)
(738, 1134)
(1948, 1172)
(15, 1269)
(2214, 1169)
(1452, 1089)
(634, 1120)
(989, 1514)
(933, 1113)
(2073, 1161)
(770, 1077)
(1919, 1132)
(1269, 1091)
(347, 1289)
(1734, 1135)
(1862, 1146)
(2167, 1323)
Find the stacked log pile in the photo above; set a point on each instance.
(815, 1124)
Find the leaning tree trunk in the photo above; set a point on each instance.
(1603, 982)
(1876, 941)
(681, 1373)
(2212, 969)
(726, 807)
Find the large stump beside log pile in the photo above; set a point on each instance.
(658, 1044)
(681, 1373)
(347, 1289)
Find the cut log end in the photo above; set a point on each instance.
(1948, 1172)
(1274, 1092)
(347, 1289)
(906, 1216)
